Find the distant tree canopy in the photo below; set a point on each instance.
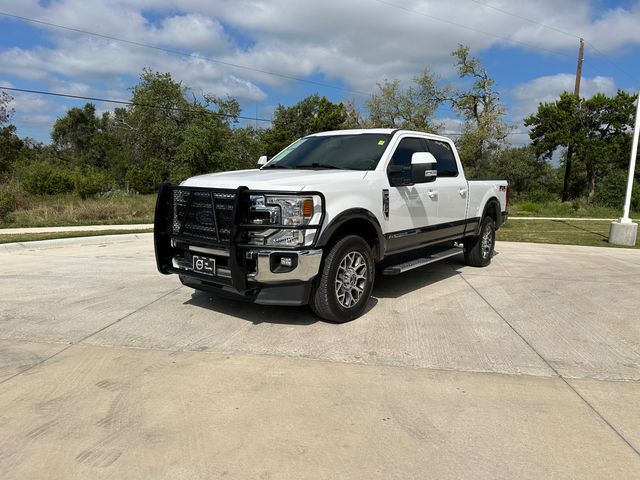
(311, 115)
(413, 107)
(484, 131)
(596, 128)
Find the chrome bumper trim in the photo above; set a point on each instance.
(307, 268)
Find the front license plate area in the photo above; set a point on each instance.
(204, 265)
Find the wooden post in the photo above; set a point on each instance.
(576, 92)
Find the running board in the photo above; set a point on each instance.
(419, 262)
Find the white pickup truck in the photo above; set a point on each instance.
(315, 223)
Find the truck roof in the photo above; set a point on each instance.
(382, 131)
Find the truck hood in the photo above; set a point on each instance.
(272, 179)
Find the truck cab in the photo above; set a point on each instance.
(316, 222)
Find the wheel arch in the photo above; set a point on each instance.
(355, 221)
(492, 209)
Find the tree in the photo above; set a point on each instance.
(412, 107)
(6, 112)
(206, 136)
(484, 131)
(311, 115)
(10, 147)
(10, 144)
(153, 125)
(596, 129)
(529, 175)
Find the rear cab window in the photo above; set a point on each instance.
(447, 165)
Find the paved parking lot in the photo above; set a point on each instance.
(529, 368)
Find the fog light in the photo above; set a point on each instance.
(283, 262)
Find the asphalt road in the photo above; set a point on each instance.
(529, 368)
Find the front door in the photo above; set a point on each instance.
(412, 208)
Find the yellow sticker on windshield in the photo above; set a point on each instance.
(380, 142)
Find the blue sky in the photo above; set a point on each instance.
(530, 48)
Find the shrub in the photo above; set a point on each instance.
(144, 180)
(541, 196)
(611, 192)
(91, 182)
(45, 178)
(530, 207)
(7, 204)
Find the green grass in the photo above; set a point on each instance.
(30, 237)
(69, 210)
(577, 209)
(585, 232)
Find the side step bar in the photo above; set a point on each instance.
(419, 262)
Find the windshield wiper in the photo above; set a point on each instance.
(323, 166)
(275, 165)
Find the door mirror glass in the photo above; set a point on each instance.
(424, 167)
(262, 161)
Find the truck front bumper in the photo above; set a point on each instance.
(280, 277)
(299, 266)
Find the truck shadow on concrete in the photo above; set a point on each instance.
(385, 287)
(422, 277)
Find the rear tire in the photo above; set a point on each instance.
(479, 250)
(343, 287)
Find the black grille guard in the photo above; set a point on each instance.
(211, 218)
(207, 217)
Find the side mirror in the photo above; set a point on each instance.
(424, 167)
(262, 161)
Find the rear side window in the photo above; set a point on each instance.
(447, 165)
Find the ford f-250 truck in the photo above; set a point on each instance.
(315, 223)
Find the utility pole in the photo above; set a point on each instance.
(576, 92)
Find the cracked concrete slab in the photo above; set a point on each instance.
(109, 369)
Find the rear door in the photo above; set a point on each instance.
(452, 188)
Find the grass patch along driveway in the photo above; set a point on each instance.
(566, 232)
(30, 237)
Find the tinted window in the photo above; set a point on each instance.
(447, 165)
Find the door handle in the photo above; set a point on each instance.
(462, 192)
(432, 193)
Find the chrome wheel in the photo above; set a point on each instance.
(487, 242)
(351, 279)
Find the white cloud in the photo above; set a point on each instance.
(355, 43)
(548, 88)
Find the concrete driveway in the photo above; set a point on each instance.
(529, 368)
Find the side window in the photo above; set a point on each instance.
(402, 155)
(447, 165)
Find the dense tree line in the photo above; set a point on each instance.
(169, 134)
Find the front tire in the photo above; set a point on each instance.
(344, 286)
(479, 250)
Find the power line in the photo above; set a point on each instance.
(133, 104)
(473, 29)
(159, 107)
(556, 29)
(183, 54)
(522, 17)
(593, 47)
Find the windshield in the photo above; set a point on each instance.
(348, 152)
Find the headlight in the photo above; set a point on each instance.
(290, 211)
(281, 211)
